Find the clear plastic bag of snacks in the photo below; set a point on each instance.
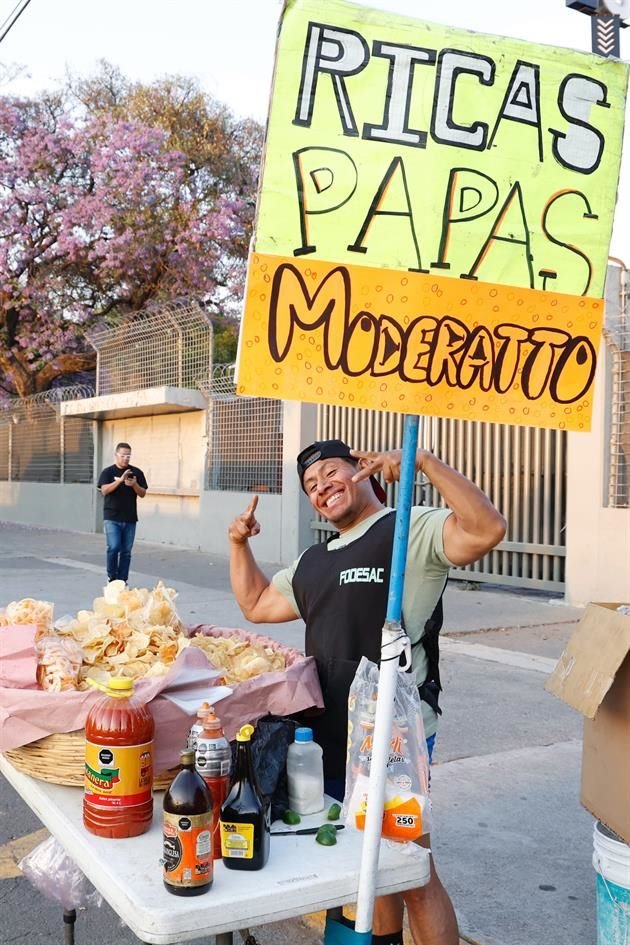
(406, 814)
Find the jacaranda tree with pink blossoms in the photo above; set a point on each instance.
(106, 207)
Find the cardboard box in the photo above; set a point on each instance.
(593, 676)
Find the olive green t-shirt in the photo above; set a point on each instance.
(425, 576)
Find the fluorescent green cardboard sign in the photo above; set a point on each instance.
(434, 220)
(398, 143)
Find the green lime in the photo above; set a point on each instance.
(334, 812)
(291, 818)
(326, 835)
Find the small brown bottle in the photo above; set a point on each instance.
(245, 821)
(188, 825)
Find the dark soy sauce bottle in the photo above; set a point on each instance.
(245, 822)
(187, 832)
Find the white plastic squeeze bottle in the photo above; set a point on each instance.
(305, 773)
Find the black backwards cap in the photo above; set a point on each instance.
(332, 449)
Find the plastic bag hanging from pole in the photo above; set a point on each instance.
(406, 812)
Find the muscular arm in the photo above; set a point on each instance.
(258, 599)
(475, 526)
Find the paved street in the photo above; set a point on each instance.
(511, 841)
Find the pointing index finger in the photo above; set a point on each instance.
(251, 508)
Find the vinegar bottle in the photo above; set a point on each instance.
(305, 773)
(245, 822)
(187, 834)
(118, 798)
(213, 761)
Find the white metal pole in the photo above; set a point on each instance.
(393, 644)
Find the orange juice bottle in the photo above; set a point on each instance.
(118, 786)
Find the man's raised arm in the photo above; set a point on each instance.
(475, 526)
(258, 599)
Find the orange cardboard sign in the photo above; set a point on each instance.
(418, 343)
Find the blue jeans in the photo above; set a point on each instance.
(119, 537)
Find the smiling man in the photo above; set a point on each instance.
(340, 590)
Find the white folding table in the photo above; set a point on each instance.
(300, 876)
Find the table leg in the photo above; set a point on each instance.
(69, 919)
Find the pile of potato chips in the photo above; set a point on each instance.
(129, 632)
(239, 659)
(133, 633)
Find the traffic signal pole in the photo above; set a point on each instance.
(605, 26)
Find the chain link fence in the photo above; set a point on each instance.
(169, 345)
(245, 435)
(37, 444)
(617, 335)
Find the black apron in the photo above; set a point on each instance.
(342, 598)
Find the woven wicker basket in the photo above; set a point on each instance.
(60, 759)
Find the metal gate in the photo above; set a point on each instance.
(521, 469)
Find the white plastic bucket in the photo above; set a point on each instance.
(611, 859)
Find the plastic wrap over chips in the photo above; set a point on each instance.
(292, 685)
(137, 633)
(28, 612)
(59, 661)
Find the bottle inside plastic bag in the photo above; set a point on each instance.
(406, 812)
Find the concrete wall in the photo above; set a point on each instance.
(50, 505)
(299, 429)
(219, 508)
(598, 538)
(171, 449)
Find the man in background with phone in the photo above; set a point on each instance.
(121, 484)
